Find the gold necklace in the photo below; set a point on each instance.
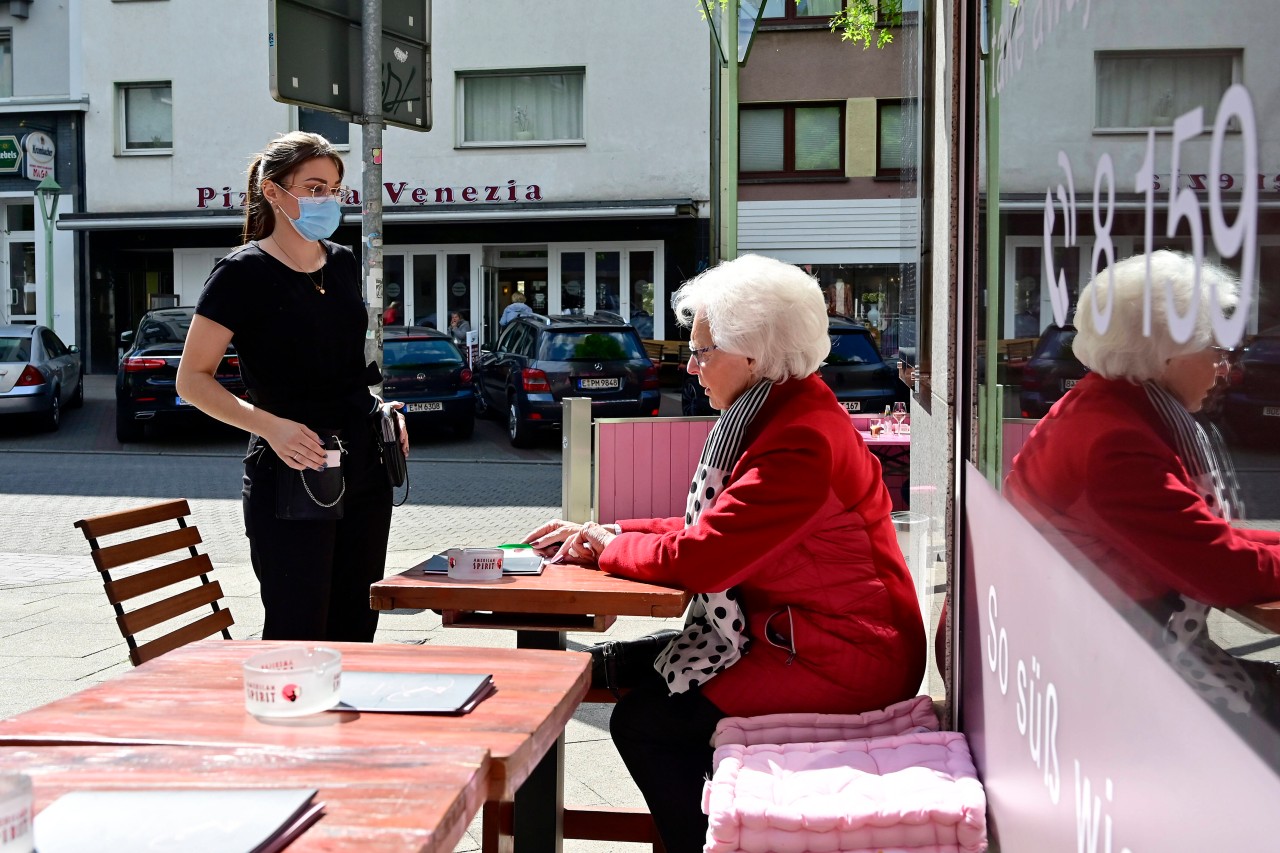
(319, 287)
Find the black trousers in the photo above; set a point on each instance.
(665, 741)
(314, 576)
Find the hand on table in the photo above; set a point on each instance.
(570, 542)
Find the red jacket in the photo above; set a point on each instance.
(1100, 472)
(803, 522)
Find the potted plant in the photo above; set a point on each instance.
(523, 129)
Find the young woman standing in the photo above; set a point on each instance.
(291, 302)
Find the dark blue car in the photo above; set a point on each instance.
(424, 369)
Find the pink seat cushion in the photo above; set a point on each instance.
(910, 715)
(916, 792)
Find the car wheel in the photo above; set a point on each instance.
(127, 429)
(464, 427)
(517, 430)
(483, 409)
(77, 402)
(688, 400)
(53, 418)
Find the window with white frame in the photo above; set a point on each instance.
(332, 127)
(521, 107)
(1136, 90)
(6, 63)
(146, 117)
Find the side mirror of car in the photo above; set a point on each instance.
(73, 348)
(488, 346)
(126, 339)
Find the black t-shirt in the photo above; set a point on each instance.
(301, 351)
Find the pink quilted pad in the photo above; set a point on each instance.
(913, 792)
(911, 715)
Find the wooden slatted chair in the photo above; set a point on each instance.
(134, 581)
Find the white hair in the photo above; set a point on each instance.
(762, 308)
(1122, 352)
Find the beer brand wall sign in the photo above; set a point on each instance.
(394, 192)
(40, 153)
(10, 154)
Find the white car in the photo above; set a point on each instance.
(39, 374)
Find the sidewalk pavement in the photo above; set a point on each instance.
(58, 633)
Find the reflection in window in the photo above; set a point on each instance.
(1152, 88)
(146, 117)
(532, 106)
(394, 310)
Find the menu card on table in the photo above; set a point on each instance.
(231, 820)
(414, 692)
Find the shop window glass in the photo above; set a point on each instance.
(1149, 458)
(424, 292)
(394, 310)
(20, 217)
(514, 108)
(608, 282)
(146, 117)
(782, 9)
(458, 292)
(642, 296)
(573, 275)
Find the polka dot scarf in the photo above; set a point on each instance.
(1218, 676)
(713, 638)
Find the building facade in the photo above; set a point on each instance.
(42, 108)
(552, 169)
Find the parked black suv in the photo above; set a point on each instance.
(538, 360)
(146, 377)
(862, 380)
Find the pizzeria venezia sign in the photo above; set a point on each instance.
(397, 193)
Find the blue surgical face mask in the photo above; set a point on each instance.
(317, 218)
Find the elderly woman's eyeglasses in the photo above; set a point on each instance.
(698, 354)
(320, 190)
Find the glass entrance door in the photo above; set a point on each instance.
(22, 282)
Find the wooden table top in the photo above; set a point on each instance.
(390, 798)
(559, 590)
(195, 695)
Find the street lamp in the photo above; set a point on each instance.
(48, 192)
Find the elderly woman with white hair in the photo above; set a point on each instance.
(803, 603)
(1121, 472)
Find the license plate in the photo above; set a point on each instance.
(1068, 384)
(1271, 411)
(597, 384)
(181, 402)
(424, 407)
(853, 407)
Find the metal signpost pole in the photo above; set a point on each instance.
(371, 138)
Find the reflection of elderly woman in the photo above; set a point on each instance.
(1121, 470)
(804, 601)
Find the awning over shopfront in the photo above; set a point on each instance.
(512, 212)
